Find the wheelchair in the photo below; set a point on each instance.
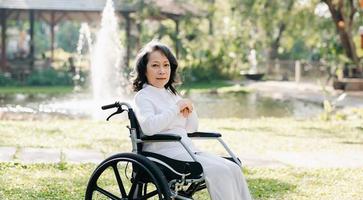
(146, 175)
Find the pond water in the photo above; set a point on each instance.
(239, 105)
(251, 105)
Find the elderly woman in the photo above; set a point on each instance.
(160, 109)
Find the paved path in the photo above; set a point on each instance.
(48, 155)
(273, 159)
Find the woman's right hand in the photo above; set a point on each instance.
(185, 107)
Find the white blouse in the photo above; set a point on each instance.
(158, 113)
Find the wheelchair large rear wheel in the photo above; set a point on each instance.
(127, 176)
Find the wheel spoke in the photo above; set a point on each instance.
(142, 180)
(119, 181)
(108, 194)
(145, 188)
(133, 186)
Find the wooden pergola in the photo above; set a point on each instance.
(55, 11)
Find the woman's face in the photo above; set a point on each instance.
(158, 69)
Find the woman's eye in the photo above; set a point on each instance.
(166, 65)
(155, 65)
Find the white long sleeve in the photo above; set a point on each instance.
(151, 122)
(192, 122)
(157, 112)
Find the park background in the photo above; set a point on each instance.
(281, 80)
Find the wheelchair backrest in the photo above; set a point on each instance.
(135, 125)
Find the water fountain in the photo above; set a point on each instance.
(253, 62)
(106, 59)
(108, 77)
(253, 73)
(84, 38)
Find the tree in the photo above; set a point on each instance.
(280, 28)
(343, 13)
(268, 20)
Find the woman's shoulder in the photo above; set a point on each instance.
(175, 96)
(151, 93)
(144, 94)
(140, 94)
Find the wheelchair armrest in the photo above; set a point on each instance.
(204, 134)
(162, 137)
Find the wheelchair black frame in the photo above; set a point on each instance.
(138, 139)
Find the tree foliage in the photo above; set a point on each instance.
(215, 45)
(343, 13)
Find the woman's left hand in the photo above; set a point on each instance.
(185, 112)
(186, 107)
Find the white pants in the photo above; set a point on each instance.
(224, 178)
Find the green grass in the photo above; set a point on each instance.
(69, 181)
(245, 136)
(218, 86)
(36, 90)
(40, 181)
(82, 134)
(304, 184)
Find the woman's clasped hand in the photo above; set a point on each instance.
(185, 107)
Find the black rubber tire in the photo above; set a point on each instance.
(147, 173)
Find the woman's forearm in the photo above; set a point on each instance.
(192, 122)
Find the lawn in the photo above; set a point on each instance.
(68, 181)
(259, 136)
(218, 86)
(35, 90)
(245, 136)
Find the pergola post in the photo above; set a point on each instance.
(177, 42)
(3, 17)
(128, 38)
(52, 24)
(139, 30)
(31, 42)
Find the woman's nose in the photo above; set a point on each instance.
(161, 71)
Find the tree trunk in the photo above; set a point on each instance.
(344, 28)
(276, 42)
(273, 53)
(210, 17)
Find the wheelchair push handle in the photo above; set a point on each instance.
(117, 105)
(109, 106)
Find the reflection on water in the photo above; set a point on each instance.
(238, 105)
(41, 104)
(251, 105)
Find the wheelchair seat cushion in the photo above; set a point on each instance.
(177, 166)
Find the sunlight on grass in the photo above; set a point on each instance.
(43, 181)
(298, 183)
(243, 135)
(84, 134)
(40, 181)
(260, 136)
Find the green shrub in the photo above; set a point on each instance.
(208, 67)
(6, 80)
(49, 77)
